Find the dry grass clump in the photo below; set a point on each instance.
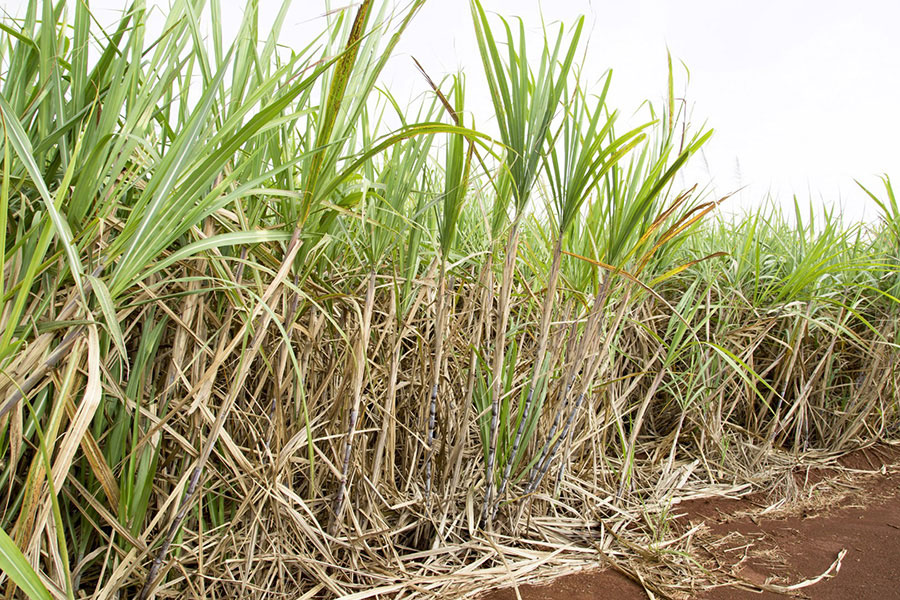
(257, 345)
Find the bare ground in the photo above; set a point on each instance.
(838, 539)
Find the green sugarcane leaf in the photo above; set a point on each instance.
(16, 567)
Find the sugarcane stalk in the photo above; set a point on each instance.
(486, 282)
(552, 453)
(386, 438)
(536, 372)
(283, 359)
(497, 368)
(580, 350)
(359, 371)
(251, 351)
(436, 375)
(563, 402)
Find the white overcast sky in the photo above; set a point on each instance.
(803, 94)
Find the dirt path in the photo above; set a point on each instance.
(845, 511)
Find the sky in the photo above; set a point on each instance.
(802, 95)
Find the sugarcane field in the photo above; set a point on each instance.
(291, 309)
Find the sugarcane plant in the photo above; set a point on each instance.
(578, 156)
(456, 175)
(525, 103)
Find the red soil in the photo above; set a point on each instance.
(782, 550)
